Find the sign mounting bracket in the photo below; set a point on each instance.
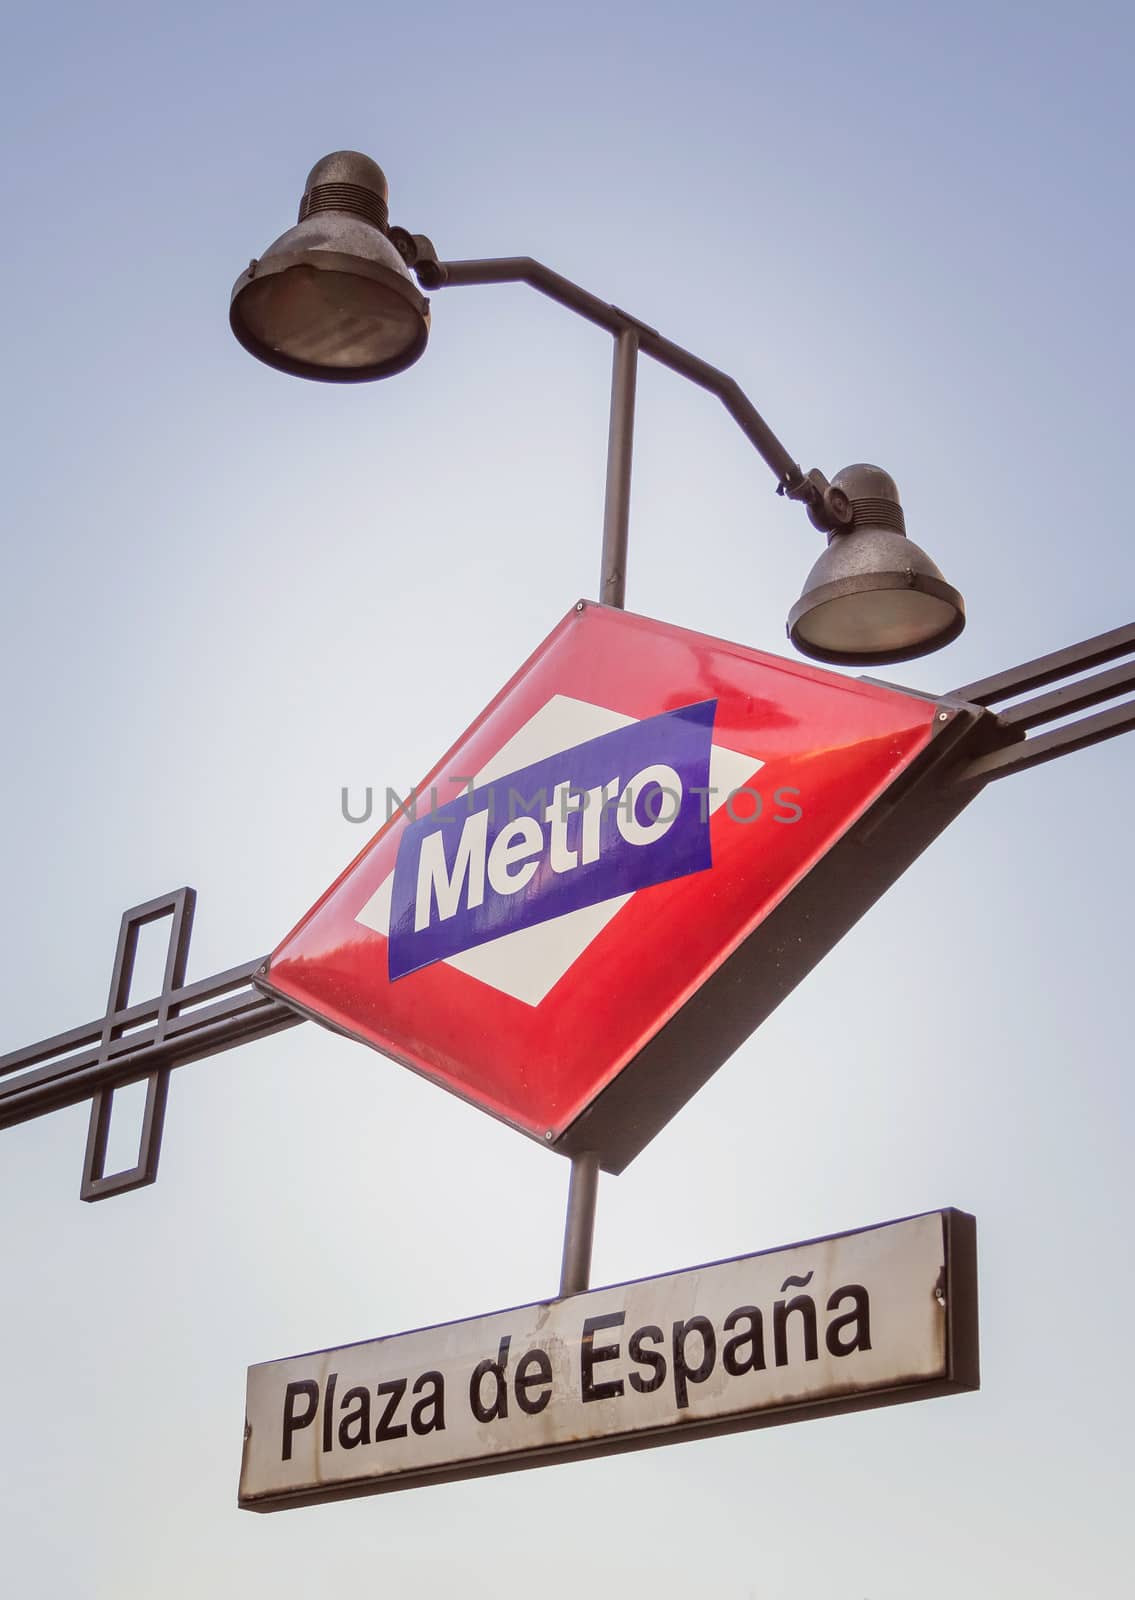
(1021, 747)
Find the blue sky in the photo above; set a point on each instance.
(907, 232)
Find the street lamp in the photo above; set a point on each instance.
(333, 299)
(873, 595)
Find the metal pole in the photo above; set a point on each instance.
(620, 444)
(579, 1228)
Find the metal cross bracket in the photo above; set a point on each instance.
(179, 908)
(143, 1041)
(138, 1042)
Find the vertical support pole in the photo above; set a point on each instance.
(620, 443)
(579, 1227)
(583, 1189)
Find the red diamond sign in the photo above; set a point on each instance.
(565, 924)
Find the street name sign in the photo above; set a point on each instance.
(874, 1317)
(618, 870)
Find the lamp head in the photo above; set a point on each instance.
(332, 298)
(873, 596)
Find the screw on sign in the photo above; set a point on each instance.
(620, 824)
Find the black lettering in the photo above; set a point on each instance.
(781, 1311)
(495, 1370)
(860, 1316)
(293, 1423)
(532, 1370)
(328, 1418)
(590, 1358)
(395, 1388)
(357, 1419)
(434, 1402)
(753, 1335)
(789, 805)
(684, 1374)
(654, 1359)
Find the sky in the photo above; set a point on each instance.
(228, 594)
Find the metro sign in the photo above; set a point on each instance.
(616, 873)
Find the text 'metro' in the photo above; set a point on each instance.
(601, 819)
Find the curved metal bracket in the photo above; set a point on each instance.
(791, 478)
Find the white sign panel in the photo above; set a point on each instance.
(866, 1318)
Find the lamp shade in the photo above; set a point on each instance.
(874, 596)
(332, 299)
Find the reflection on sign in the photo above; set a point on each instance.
(868, 1318)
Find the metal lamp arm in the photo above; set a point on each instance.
(828, 508)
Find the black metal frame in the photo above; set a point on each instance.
(1017, 751)
(138, 1042)
(179, 907)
